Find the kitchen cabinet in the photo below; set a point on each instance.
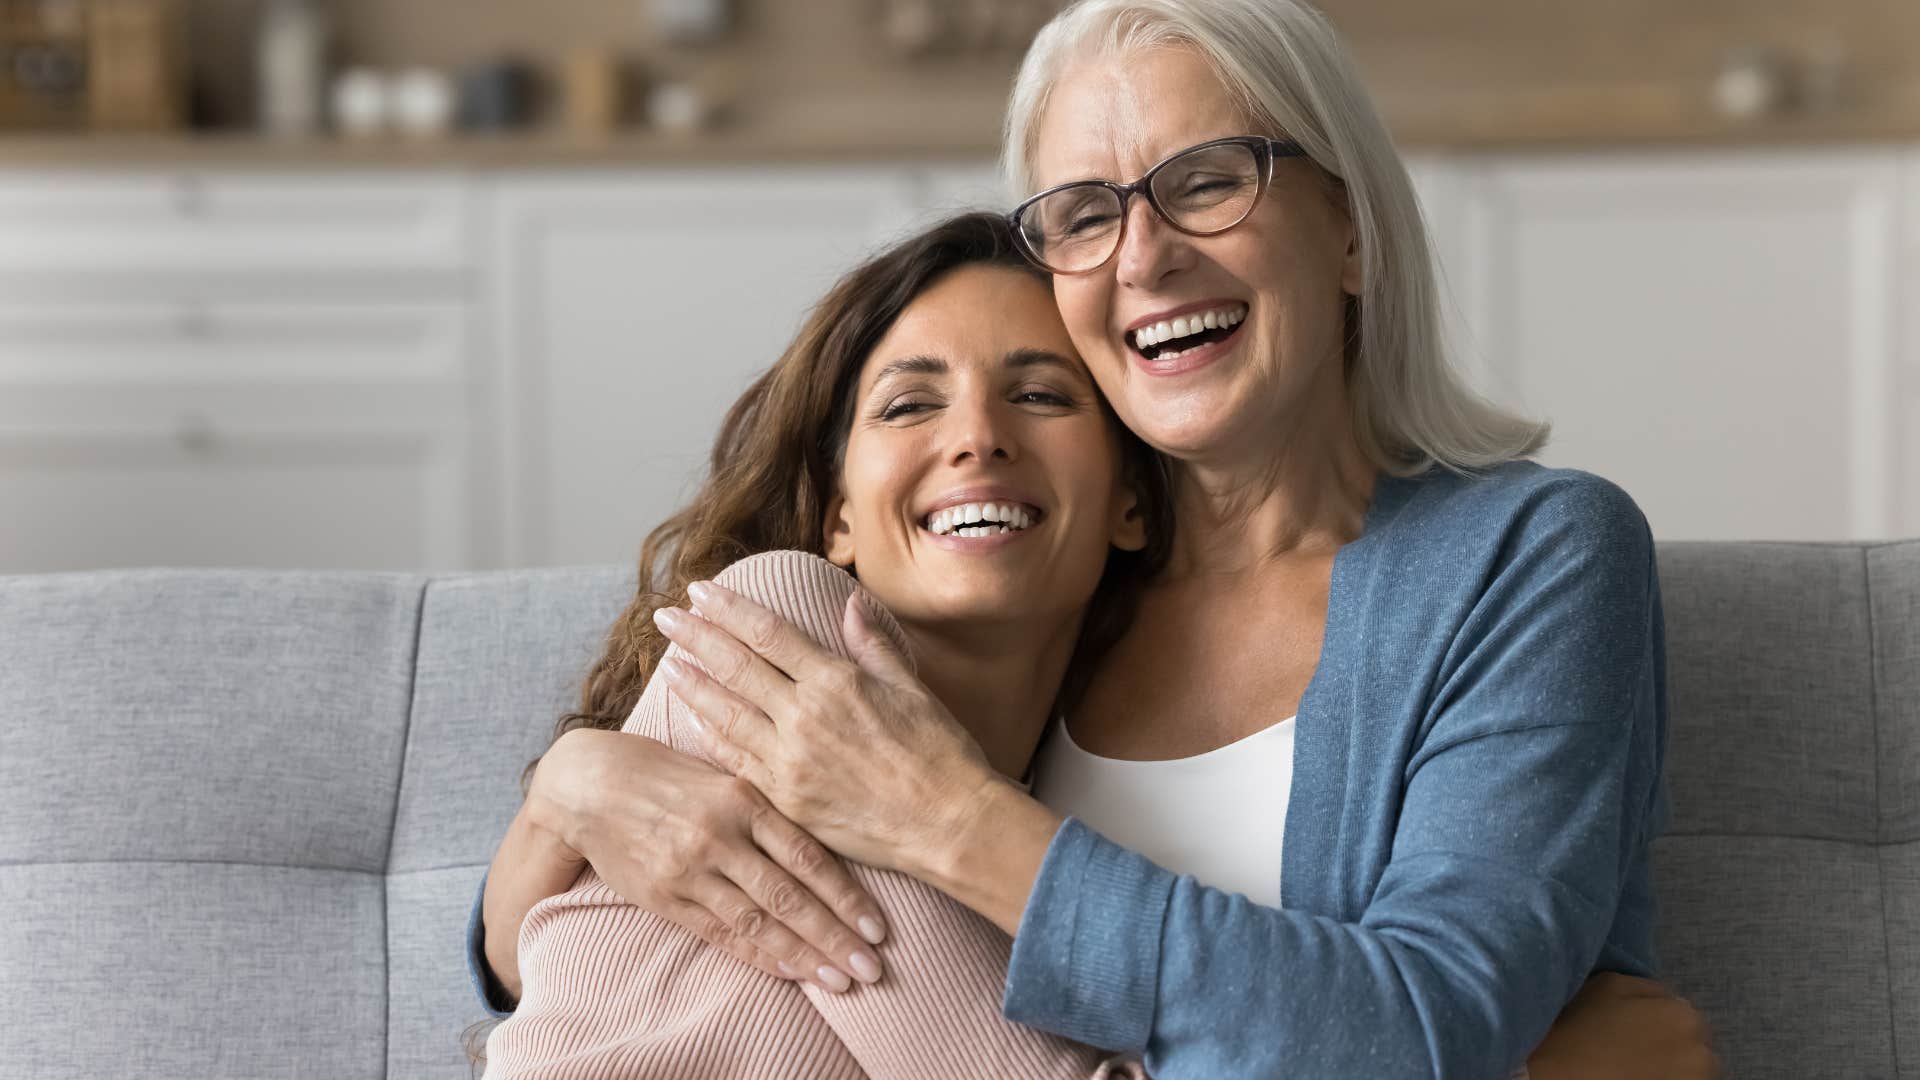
(1721, 334)
(448, 369)
(257, 370)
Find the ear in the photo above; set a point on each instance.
(838, 531)
(1353, 275)
(1129, 523)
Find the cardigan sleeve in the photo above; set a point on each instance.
(1526, 806)
(493, 997)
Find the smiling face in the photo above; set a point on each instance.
(982, 481)
(1268, 295)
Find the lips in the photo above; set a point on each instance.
(1171, 334)
(978, 512)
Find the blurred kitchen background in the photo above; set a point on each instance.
(463, 284)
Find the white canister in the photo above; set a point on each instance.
(420, 103)
(360, 103)
(292, 67)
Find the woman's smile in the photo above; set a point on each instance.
(983, 480)
(982, 519)
(1186, 338)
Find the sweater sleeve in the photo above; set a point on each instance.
(1527, 803)
(936, 1012)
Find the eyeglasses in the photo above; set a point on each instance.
(1201, 191)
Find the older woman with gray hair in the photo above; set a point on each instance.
(1370, 785)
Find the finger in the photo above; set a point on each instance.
(706, 926)
(781, 643)
(825, 877)
(798, 928)
(771, 947)
(732, 731)
(737, 914)
(869, 646)
(737, 667)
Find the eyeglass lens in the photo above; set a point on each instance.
(1206, 190)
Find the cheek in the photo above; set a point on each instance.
(1091, 461)
(1082, 305)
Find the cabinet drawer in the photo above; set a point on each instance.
(392, 500)
(117, 224)
(149, 342)
(327, 476)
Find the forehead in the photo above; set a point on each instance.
(973, 317)
(1112, 116)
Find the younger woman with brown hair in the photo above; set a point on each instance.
(966, 469)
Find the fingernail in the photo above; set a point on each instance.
(834, 979)
(671, 669)
(667, 618)
(700, 591)
(785, 970)
(871, 929)
(865, 965)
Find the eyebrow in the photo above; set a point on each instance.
(1018, 359)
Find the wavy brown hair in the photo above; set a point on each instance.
(776, 464)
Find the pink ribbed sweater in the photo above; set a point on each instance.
(609, 990)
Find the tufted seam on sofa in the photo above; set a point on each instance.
(393, 822)
(1880, 803)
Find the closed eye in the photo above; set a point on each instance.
(1044, 397)
(898, 409)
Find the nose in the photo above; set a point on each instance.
(978, 432)
(1150, 249)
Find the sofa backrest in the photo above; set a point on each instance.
(1789, 880)
(247, 811)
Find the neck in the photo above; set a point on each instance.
(999, 680)
(1298, 485)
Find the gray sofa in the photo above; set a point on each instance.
(245, 812)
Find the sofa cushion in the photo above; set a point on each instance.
(202, 767)
(243, 717)
(501, 657)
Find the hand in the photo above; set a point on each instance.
(859, 752)
(1618, 1026)
(706, 851)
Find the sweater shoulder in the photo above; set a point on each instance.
(1518, 505)
(774, 572)
(809, 592)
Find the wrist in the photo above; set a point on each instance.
(552, 813)
(990, 857)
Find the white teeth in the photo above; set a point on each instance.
(1187, 325)
(979, 519)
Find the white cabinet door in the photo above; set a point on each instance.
(330, 479)
(1716, 333)
(630, 310)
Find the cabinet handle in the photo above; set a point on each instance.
(195, 435)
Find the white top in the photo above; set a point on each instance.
(1220, 816)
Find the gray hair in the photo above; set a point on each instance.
(1287, 68)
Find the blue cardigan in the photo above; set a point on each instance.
(1454, 866)
(1477, 783)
